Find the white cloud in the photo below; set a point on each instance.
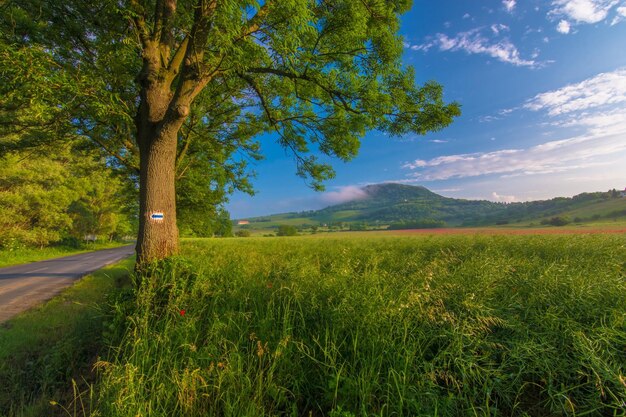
(501, 114)
(602, 90)
(474, 42)
(438, 141)
(563, 27)
(466, 16)
(446, 190)
(488, 119)
(584, 12)
(597, 123)
(503, 198)
(499, 27)
(509, 5)
(344, 194)
(620, 15)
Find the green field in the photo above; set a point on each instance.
(376, 326)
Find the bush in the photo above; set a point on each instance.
(286, 230)
(243, 233)
(559, 221)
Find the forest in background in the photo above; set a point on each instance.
(72, 195)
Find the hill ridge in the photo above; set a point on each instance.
(388, 203)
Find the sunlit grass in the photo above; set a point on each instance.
(27, 255)
(387, 326)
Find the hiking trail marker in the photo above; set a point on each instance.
(156, 216)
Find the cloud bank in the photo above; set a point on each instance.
(343, 195)
(595, 107)
(602, 90)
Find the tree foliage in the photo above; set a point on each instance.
(45, 197)
(315, 73)
(286, 230)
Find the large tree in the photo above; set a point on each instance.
(154, 77)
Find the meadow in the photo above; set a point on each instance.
(362, 325)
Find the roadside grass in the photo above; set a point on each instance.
(384, 326)
(27, 255)
(45, 349)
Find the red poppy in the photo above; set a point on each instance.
(182, 312)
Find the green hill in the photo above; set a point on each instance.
(415, 206)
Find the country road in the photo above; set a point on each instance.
(24, 286)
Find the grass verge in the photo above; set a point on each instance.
(27, 255)
(46, 348)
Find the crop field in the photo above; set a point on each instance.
(601, 229)
(433, 325)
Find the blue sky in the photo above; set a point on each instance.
(543, 90)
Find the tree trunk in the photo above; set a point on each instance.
(160, 116)
(158, 237)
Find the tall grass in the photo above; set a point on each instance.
(426, 326)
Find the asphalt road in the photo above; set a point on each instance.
(24, 286)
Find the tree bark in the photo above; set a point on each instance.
(158, 238)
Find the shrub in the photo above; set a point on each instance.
(559, 221)
(286, 230)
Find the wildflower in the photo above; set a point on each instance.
(260, 348)
(182, 312)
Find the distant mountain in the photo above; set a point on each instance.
(392, 202)
(389, 203)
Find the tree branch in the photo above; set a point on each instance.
(333, 93)
(177, 59)
(254, 24)
(192, 80)
(250, 81)
(139, 20)
(186, 143)
(300, 161)
(164, 11)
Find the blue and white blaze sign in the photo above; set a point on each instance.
(156, 216)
